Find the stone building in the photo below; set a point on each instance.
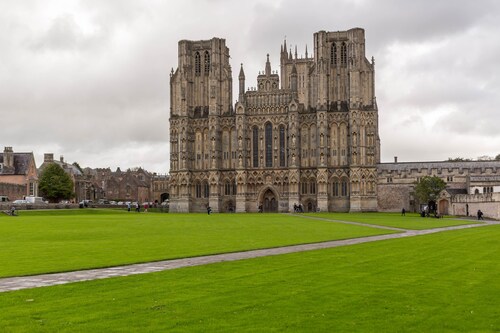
(470, 186)
(160, 185)
(83, 186)
(306, 135)
(129, 185)
(18, 174)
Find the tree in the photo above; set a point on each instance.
(459, 159)
(428, 188)
(55, 184)
(497, 158)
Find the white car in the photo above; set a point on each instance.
(20, 202)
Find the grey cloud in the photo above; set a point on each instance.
(96, 89)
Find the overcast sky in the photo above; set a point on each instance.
(89, 79)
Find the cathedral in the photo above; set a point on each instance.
(306, 136)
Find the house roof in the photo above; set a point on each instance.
(21, 163)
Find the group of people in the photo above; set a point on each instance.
(298, 208)
(137, 207)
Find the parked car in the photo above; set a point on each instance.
(20, 202)
(35, 200)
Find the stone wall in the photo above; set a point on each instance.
(393, 197)
(13, 191)
(488, 203)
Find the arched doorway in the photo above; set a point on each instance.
(443, 207)
(164, 196)
(269, 202)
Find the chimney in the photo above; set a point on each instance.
(61, 159)
(48, 158)
(395, 159)
(8, 161)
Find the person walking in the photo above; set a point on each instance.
(480, 215)
(403, 212)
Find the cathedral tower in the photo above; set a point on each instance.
(306, 137)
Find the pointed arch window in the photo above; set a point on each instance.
(282, 146)
(197, 63)
(198, 189)
(206, 190)
(269, 145)
(333, 54)
(207, 62)
(343, 54)
(255, 147)
(345, 188)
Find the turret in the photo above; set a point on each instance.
(241, 78)
(268, 66)
(293, 78)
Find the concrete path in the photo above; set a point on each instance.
(44, 280)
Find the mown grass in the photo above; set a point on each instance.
(446, 282)
(410, 221)
(62, 240)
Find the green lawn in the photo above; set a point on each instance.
(61, 240)
(410, 221)
(446, 282)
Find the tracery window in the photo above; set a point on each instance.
(312, 187)
(255, 147)
(343, 54)
(269, 145)
(207, 62)
(333, 54)
(345, 188)
(303, 187)
(197, 64)
(336, 186)
(206, 190)
(282, 146)
(197, 187)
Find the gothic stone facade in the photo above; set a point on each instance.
(307, 135)
(470, 185)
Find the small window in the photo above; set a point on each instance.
(207, 62)
(343, 54)
(333, 55)
(389, 179)
(197, 64)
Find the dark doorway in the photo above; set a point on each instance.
(270, 202)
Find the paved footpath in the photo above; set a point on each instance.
(44, 280)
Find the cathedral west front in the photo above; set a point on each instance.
(306, 135)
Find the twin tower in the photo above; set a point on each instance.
(306, 136)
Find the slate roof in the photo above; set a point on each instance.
(21, 163)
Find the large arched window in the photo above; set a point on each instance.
(206, 190)
(269, 145)
(207, 62)
(345, 187)
(333, 55)
(282, 146)
(197, 187)
(255, 147)
(336, 187)
(343, 54)
(197, 63)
